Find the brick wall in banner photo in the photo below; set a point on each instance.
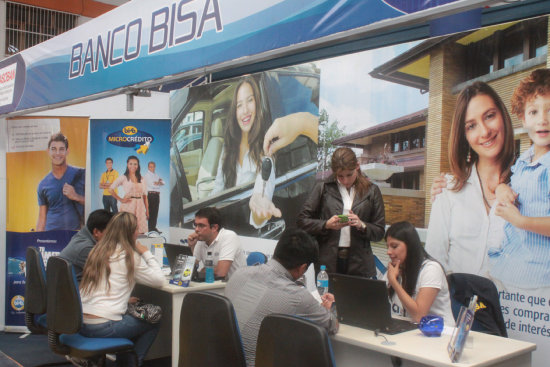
(406, 205)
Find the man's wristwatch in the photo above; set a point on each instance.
(363, 226)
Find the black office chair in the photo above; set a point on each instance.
(35, 292)
(64, 318)
(488, 317)
(286, 340)
(209, 334)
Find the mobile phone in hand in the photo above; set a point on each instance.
(343, 218)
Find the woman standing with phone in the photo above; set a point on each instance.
(344, 214)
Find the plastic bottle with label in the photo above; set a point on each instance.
(209, 268)
(322, 281)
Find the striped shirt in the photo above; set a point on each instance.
(525, 257)
(258, 291)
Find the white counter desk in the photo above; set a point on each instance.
(170, 298)
(354, 346)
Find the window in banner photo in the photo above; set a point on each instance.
(408, 140)
(506, 48)
(188, 137)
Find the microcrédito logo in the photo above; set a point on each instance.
(18, 303)
(129, 130)
(129, 137)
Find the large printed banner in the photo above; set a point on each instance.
(142, 147)
(487, 110)
(220, 132)
(145, 40)
(45, 200)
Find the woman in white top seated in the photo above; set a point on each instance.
(115, 264)
(417, 283)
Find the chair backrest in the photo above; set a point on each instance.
(64, 312)
(488, 317)
(35, 282)
(256, 258)
(286, 340)
(209, 334)
(35, 291)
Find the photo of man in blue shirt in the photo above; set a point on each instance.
(61, 192)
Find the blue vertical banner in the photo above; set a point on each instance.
(115, 144)
(49, 243)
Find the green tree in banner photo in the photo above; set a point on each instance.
(328, 132)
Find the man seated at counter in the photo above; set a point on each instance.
(258, 291)
(224, 244)
(78, 249)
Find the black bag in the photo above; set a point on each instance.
(145, 311)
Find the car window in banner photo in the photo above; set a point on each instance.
(132, 150)
(221, 136)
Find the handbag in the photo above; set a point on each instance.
(145, 311)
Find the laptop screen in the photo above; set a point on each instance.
(361, 302)
(172, 252)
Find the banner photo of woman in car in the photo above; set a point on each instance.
(247, 146)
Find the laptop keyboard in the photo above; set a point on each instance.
(399, 326)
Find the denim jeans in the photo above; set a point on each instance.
(110, 204)
(140, 332)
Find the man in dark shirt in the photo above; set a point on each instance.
(78, 249)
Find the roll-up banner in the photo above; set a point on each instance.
(115, 145)
(146, 40)
(45, 195)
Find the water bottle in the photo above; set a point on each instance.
(322, 281)
(179, 266)
(209, 268)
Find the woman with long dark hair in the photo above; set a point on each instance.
(244, 132)
(417, 283)
(135, 193)
(246, 135)
(344, 244)
(463, 225)
(115, 264)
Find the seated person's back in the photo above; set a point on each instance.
(258, 291)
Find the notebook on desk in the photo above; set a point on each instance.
(364, 303)
(172, 252)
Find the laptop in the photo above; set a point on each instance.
(172, 252)
(364, 303)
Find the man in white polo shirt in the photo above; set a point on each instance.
(210, 236)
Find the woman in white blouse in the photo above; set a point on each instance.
(463, 227)
(115, 264)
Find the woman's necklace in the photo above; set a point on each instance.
(485, 201)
